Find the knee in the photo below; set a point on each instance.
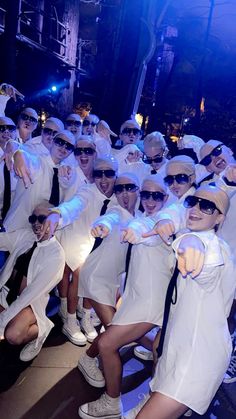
(13, 336)
(104, 344)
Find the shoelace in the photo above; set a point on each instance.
(232, 365)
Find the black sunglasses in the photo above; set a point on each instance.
(181, 179)
(10, 128)
(71, 123)
(109, 173)
(40, 218)
(62, 143)
(128, 187)
(89, 151)
(49, 131)
(206, 206)
(156, 196)
(214, 153)
(128, 131)
(86, 123)
(26, 117)
(150, 160)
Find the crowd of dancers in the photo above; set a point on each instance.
(128, 238)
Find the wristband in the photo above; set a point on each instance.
(55, 211)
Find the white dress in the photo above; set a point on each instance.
(44, 272)
(197, 346)
(76, 239)
(150, 270)
(100, 276)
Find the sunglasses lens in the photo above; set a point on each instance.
(190, 201)
(32, 219)
(158, 159)
(182, 178)
(118, 188)
(86, 123)
(169, 180)
(10, 128)
(206, 160)
(157, 196)
(41, 218)
(207, 207)
(145, 195)
(217, 151)
(107, 173)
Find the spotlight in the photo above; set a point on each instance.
(54, 88)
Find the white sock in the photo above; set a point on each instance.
(71, 318)
(114, 401)
(63, 306)
(86, 312)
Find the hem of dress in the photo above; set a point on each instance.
(180, 401)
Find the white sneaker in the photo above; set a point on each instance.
(95, 319)
(72, 331)
(132, 413)
(30, 350)
(91, 372)
(143, 353)
(101, 408)
(188, 413)
(87, 327)
(230, 375)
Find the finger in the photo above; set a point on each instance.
(165, 237)
(199, 266)
(181, 265)
(123, 236)
(150, 233)
(191, 257)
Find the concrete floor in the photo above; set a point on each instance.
(51, 387)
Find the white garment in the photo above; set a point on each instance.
(44, 272)
(150, 268)
(84, 208)
(197, 346)
(26, 200)
(2, 182)
(100, 276)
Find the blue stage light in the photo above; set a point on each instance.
(54, 88)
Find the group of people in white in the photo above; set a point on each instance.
(129, 239)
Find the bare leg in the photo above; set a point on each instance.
(72, 296)
(109, 343)
(64, 283)
(22, 328)
(86, 303)
(160, 406)
(105, 314)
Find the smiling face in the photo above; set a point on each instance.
(179, 189)
(198, 220)
(150, 205)
(219, 163)
(127, 198)
(104, 184)
(59, 152)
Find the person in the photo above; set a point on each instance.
(8, 180)
(142, 303)
(100, 277)
(73, 123)
(41, 144)
(77, 242)
(180, 180)
(38, 267)
(38, 174)
(27, 124)
(206, 287)
(89, 125)
(102, 138)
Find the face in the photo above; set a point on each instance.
(105, 184)
(220, 162)
(7, 132)
(130, 134)
(179, 189)
(37, 223)
(74, 125)
(89, 125)
(199, 221)
(61, 148)
(85, 154)
(48, 132)
(27, 122)
(152, 152)
(150, 205)
(126, 198)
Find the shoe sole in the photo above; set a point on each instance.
(84, 415)
(90, 340)
(90, 380)
(229, 380)
(141, 356)
(74, 341)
